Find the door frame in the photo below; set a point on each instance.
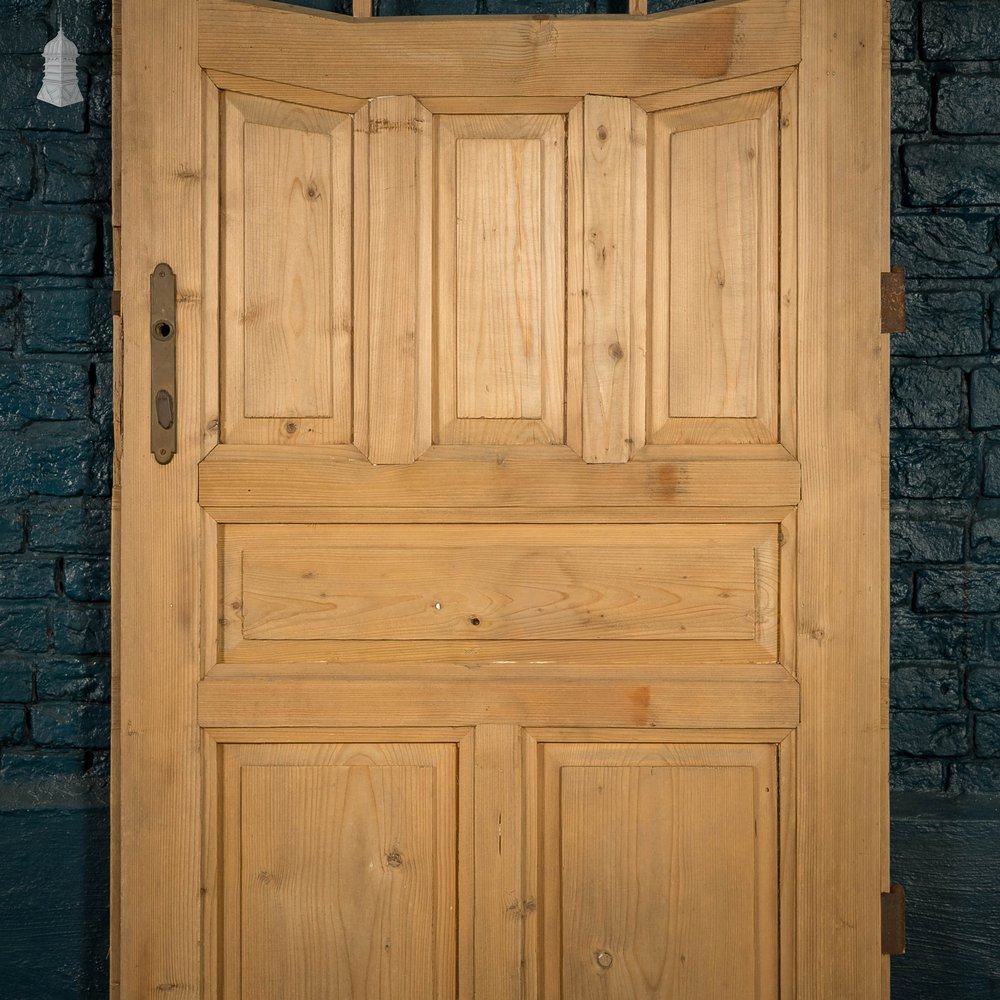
(841, 834)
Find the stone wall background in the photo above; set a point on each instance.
(55, 447)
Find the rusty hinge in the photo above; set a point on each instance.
(894, 300)
(894, 921)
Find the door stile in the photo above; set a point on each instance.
(158, 779)
(840, 526)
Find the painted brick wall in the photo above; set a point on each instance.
(946, 397)
(55, 444)
(945, 680)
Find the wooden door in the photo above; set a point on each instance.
(508, 623)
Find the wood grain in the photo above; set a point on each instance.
(286, 239)
(500, 279)
(393, 196)
(681, 827)
(623, 56)
(614, 301)
(158, 596)
(340, 870)
(621, 799)
(522, 477)
(842, 205)
(714, 259)
(506, 914)
(508, 582)
(292, 701)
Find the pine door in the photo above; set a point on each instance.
(508, 623)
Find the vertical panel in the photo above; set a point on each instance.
(393, 163)
(714, 263)
(613, 308)
(639, 899)
(286, 208)
(338, 882)
(714, 272)
(339, 867)
(500, 279)
(287, 370)
(663, 862)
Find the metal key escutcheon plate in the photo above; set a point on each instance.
(162, 363)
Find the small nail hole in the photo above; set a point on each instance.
(473, 621)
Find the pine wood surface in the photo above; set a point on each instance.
(508, 623)
(159, 592)
(286, 204)
(236, 475)
(842, 203)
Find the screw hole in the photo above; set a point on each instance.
(162, 330)
(473, 621)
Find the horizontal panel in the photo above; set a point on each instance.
(289, 701)
(618, 56)
(523, 478)
(516, 582)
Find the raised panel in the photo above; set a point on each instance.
(500, 279)
(286, 206)
(659, 871)
(315, 587)
(714, 265)
(339, 870)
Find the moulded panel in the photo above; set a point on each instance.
(286, 206)
(354, 593)
(714, 259)
(338, 871)
(503, 582)
(501, 279)
(659, 871)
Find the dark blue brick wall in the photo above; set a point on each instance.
(55, 341)
(945, 402)
(945, 682)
